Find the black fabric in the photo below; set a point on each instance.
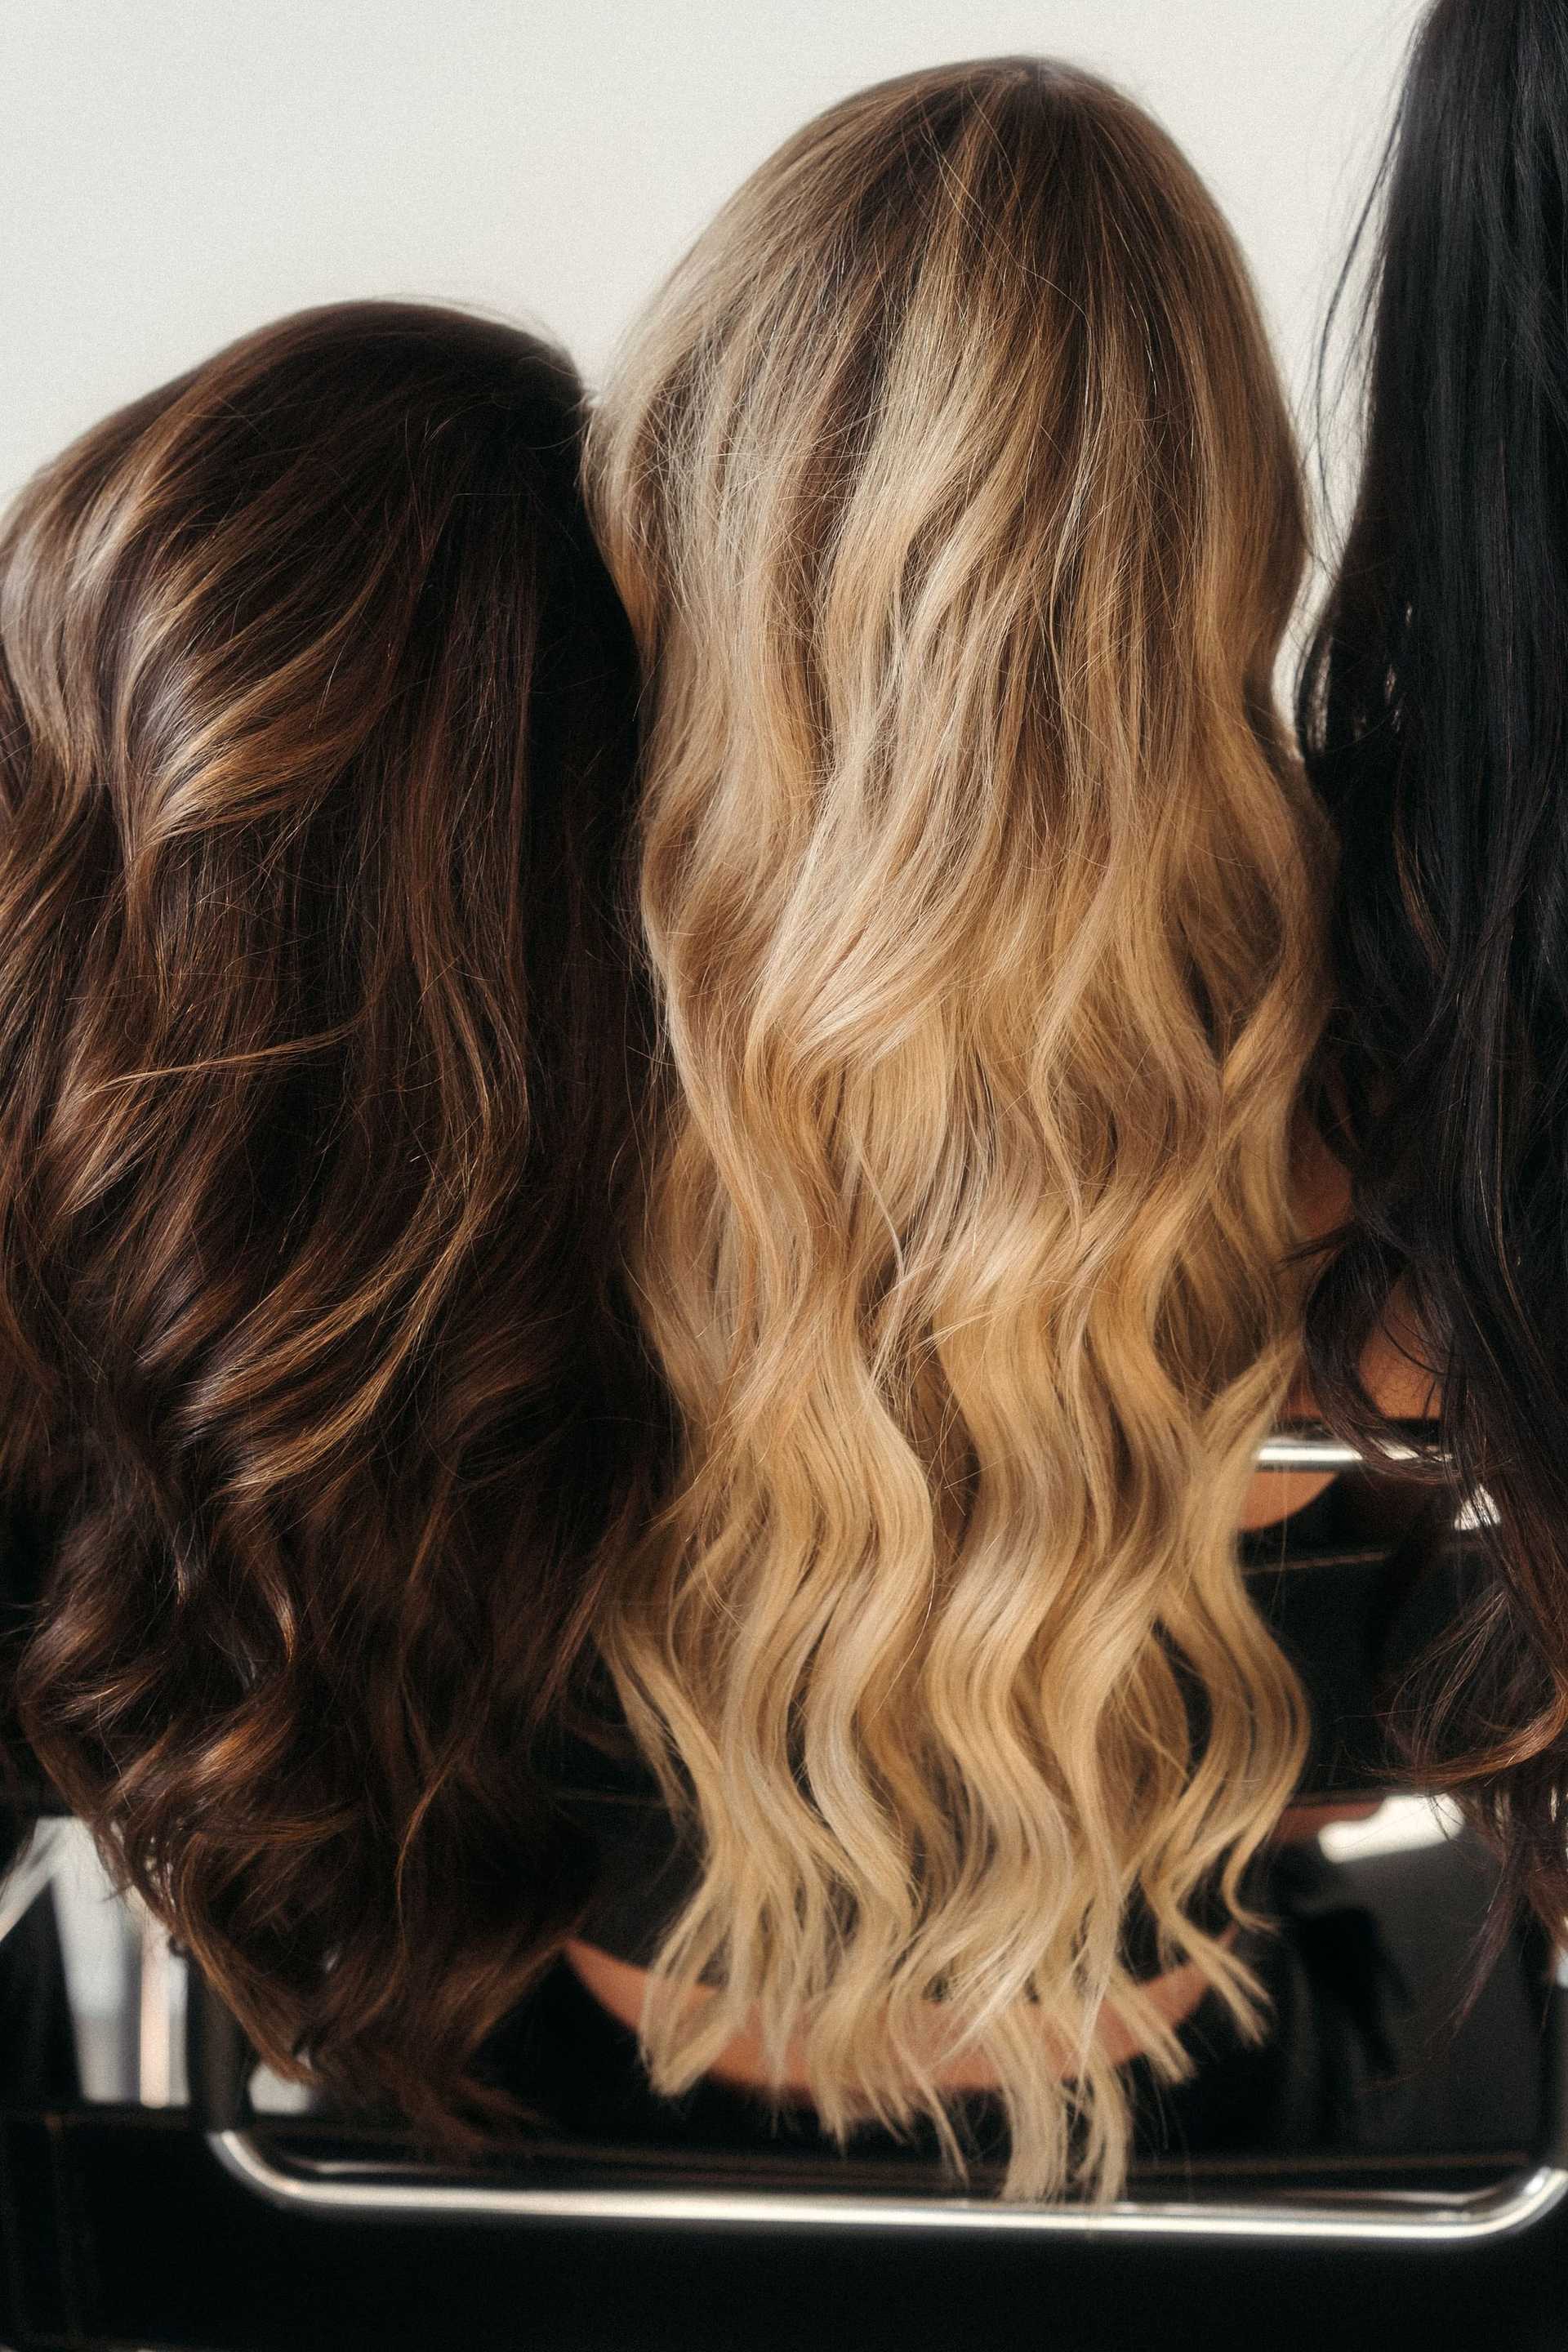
(22, 1557)
(38, 2043)
(1349, 1610)
(1370, 2048)
(1335, 1600)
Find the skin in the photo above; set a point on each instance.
(621, 1988)
(1406, 1387)
(1391, 1365)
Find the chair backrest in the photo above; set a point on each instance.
(362, 2178)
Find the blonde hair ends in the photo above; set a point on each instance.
(950, 489)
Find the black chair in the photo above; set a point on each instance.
(222, 2227)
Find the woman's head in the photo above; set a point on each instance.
(950, 490)
(981, 326)
(318, 1045)
(1435, 717)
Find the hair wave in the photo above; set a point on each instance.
(1434, 716)
(950, 489)
(319, 1040)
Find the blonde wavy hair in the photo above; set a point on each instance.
(950, 489)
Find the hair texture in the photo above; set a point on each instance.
(1434, 712)
(319, 1049)
(950, 489)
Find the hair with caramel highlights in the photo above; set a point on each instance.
(319, 1039)
(950, 489)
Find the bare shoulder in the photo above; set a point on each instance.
(1395, 1365)
(1321, 1184)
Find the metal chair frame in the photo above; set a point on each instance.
(392, 2191)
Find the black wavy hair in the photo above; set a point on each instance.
(1434, 717)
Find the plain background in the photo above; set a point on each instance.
(174, 171)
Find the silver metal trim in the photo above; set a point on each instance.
(1331, 1454)
(1475, 1510)
(1321, 1453)
(28, 1879)
(1389, 2216)
(1367, 2217)
(1359, 2217)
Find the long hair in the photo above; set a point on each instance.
(319, 1049)
(950, 489)
(1434, 712)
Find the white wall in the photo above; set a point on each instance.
(173, 171)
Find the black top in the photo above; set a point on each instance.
(1350, 1611)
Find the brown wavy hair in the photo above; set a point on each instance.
(320, 1042)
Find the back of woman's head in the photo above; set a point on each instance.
(317, 1052)
(950, 490)
(1435, 717)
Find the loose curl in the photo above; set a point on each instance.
(950, 489)
(319, 1040)
(1434, 715)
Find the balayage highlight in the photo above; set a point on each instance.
(950, 490)
(319, 1041)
